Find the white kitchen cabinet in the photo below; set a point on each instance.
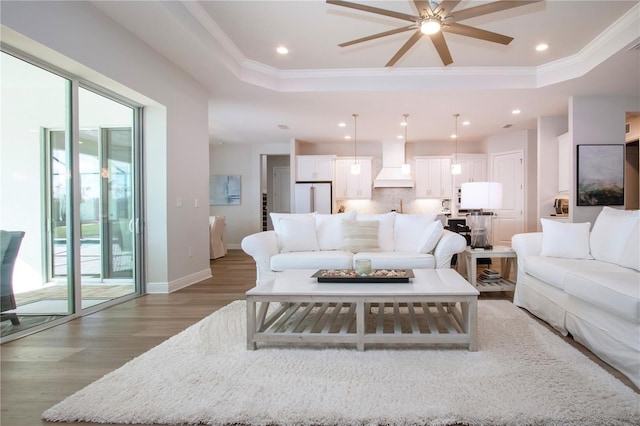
(352, 187)
(433, 177)
(564, 162)
(474, 169)
(312, 168)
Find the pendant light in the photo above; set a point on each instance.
(355, 167)
(406, 168)
(456, 168)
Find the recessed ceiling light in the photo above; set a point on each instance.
(282, 50)
(542, 46)
(342, 124)
(466, 123)
(453, 136)
(347, 137)
(515, 112)
(404, 123)
(400, 137)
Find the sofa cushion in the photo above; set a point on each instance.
(360, 235)
(554, 270)
(568, 240)
(631, 254)
(409, 229)
(398, 260)
(430, 237)
(610, 234)
(297, 234)
(385, 229)
(329, 229)
(330, 259)
(615, 291)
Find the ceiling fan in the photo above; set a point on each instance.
(435, 18)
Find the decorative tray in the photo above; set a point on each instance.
(375, 276)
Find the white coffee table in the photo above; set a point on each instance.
(437, 307)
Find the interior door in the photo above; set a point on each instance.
(509, 220)
(281, 190)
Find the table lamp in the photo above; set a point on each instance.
(480, 197)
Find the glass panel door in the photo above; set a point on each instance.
(60, 190)
(107, 191)
(35, 194)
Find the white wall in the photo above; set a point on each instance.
(76, 37)
(243, 160)
(549, 128)
(596, 120)
(524, 141)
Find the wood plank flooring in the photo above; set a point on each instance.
(40, 370)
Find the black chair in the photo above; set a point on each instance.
(9, 245)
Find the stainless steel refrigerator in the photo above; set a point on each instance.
(313, 197)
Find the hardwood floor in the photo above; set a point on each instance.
(41, 370)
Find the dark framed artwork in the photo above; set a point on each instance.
(600, 175)
(224, 190)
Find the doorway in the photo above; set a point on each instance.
(70, 182)
(276, 187)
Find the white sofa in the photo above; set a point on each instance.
(335, 241)
(587, 283)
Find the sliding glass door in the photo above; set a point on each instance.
(70, 179)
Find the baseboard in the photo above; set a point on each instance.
(234, 246)
(170, 287)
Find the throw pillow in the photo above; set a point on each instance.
(568, 240)
(360, 235)
(611, 232)
(408, 230)
(430, 237)
(275, 218)
(329, 229)
(298, 234)
(385, 228)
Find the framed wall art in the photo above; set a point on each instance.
(224, 190)
(600, 175)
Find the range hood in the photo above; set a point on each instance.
(391, 175)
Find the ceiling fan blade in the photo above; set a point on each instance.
(446, 7)
(371, 9)
(441, 46)
(414, 38)
(374, 36)
(423, 5)
(468, 31)
(485, 9)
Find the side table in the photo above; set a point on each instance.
(507, 256)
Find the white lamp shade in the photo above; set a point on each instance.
(481, 195)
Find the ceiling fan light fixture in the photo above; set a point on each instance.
(430, 25)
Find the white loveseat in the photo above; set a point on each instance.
(587, 283)
(335, 241)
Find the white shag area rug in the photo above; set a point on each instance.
(522, 374)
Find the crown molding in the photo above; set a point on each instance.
(620, 34)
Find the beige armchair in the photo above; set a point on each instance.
(217, 245)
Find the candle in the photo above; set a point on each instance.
(363, 266)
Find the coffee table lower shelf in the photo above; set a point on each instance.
(362, 322)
